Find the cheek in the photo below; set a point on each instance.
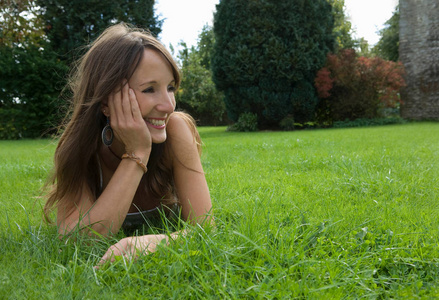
(143, 101)
(139, 96)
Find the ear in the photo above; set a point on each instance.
(104, 108)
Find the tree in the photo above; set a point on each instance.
(206, 41)
(29, 105)
(266, 55)
(387, 46)
(21, 25)
(197, 94)
(342, 26)
(363, 48)
(71, 24)
(28, 98)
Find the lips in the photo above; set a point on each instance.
(158, 123)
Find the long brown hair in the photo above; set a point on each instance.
(111, 58)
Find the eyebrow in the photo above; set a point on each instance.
(155, 82)
(149, 82)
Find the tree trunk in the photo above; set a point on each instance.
(419, 52)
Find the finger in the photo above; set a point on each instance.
(116, 105)
(126, 104)
(104, 258)
(137, 115)
(129, 256)
(108, 256)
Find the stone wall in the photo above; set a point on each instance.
(419, 52)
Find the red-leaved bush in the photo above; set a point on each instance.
(352, 87)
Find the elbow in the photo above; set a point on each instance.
(201, 219)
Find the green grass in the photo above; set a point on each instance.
(335, 213)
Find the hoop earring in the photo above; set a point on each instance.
(107, 134)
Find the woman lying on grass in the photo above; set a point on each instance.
(125, 156)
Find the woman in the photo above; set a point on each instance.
(125, 155)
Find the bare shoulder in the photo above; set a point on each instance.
(182, 131)
(184, 140)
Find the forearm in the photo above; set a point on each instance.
(107, 213)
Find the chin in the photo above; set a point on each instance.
(159, 140)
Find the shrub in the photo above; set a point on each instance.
(369, 122)
(246, 122)
(354, 87)
(287, 123)
(11, 124)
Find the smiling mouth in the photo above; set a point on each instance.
(156, 123)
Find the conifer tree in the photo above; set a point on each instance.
(266, 56)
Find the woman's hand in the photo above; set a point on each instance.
(128, 124)
(131, 247)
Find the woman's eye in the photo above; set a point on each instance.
(171, 88)
(148, 90)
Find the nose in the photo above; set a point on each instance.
(167, 102)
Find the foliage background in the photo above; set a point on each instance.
(272, 56)
(198, 95)
(353, 87)
(266, 55)
(40, 41)
(388, 45)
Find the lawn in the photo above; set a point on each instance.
(333, 213)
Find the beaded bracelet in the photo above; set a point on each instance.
(133, 157)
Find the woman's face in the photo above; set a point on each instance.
(154, 86)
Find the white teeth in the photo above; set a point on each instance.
(156, 122)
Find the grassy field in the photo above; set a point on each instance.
(335, 213)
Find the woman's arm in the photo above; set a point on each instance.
(190, 181)
(106, 214)
(191, 188)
